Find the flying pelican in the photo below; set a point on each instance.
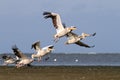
(9, 60)
(75, 39)
(24, 60)
(41, 51)
(57, 23)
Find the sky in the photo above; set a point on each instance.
(22, 23)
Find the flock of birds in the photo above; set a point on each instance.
(61, 31)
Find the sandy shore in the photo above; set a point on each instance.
(60, 73)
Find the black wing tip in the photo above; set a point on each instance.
(14, 47)
(51, 47)
(32, 46)
(35, 43)
(46, 13)
(4, 56)
(47, 16)
(94, 34)
(91, 46)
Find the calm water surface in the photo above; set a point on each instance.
(73, 59)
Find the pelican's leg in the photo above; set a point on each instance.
(56, 40)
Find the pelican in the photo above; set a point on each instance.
(9, 60)
(41, 51)
(57, 23)
(24, 60)
(75, 39)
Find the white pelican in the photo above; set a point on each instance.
(24, 60)
(41, 51)
(9, 60)
(75, 39)
(57, 23)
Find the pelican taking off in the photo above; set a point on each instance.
(41, 51)
(9, 60)
(24, 60)
(57, 23)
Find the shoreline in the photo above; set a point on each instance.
(60, 73)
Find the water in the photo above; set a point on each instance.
(82, 59)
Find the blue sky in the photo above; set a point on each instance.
(22, 23)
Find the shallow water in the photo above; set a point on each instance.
(82, 59)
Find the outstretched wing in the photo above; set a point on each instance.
(83, 44)
(36, 45)
(71, 34)
(55, 19)
(17, 52)
(5, 57)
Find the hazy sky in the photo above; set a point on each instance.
(22, 23)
